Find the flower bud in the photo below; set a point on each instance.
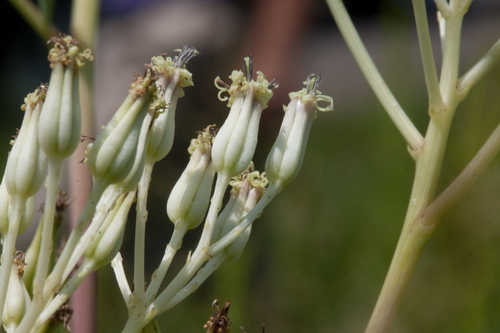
(27, 217)
(247, 189)
(27, 165)
(60, 120)
(286, 155)
(15, 302)
(171, 78)
(109, 237)
(189, 199)
(111, 157)
(234, 145)
(135, 173)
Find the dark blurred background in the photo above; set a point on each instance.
(318, 256)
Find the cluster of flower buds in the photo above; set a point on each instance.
(140, 133)
(235, 143)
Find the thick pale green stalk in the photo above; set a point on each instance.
(429, 161)
(9, 246)
(140, 229)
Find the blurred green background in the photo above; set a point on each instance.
(318, 255)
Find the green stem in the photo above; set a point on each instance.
(106, 202)
(140, 230)
(65, 293)
(47, 242)
(399, 272)
(215, 206)
(16, 209)
(465, 180)
(427, 55)
(55, 278)
(479, 70)
(427, 172)
(372, 75)
(35, 18)
(46, 246)
(170, 250)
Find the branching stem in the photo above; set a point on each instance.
(372, 75)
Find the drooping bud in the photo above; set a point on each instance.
(111, 157)
(234, 145)
(60, 121)
(171, 77)
(285, 158)
(15, 301)
(109, 237)
(27, 164)
(189, 199)
(247, 189)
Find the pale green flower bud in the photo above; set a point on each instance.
(60, 121)
(135, 173)
(247, 189)
(15, 302)
(234, 145)
(171, 78)
(111, 157)
(109, 237)
(27, 164)
(189, 199)
(4, 208)
(285, 158)
(26, 218)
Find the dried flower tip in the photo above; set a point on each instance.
(219, 322)
(141, 84)
(249, 176)
(166, 67)
(248, 66)
(241, 82)
(65, 50)
(35, 97)
(62, 201)
(311, 94)
(185, 55)
(19, 262)
(63, 315)
(204, 140)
